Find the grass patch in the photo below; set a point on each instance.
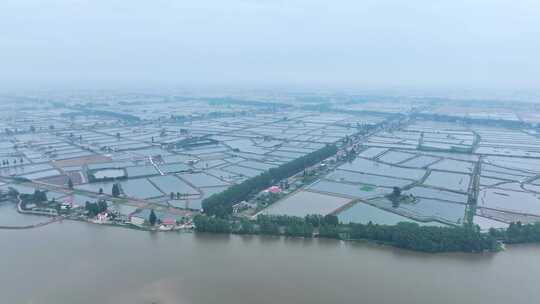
(367, 188)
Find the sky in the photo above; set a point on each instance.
(265, 43)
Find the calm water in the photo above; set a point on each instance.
(74, 262)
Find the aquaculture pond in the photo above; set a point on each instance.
(364, 213)
(304, 202)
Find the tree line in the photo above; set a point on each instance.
(220, 204)
(266, 224)
(404, 235)
(518, 233)
(426, 238)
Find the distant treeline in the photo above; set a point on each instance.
(120, 116)
(254, 103)
(220, 204)
(516, 124)
(404, 235)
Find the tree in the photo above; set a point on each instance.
(39, 196)
(70, 184)
(395, 196)
(246, 227)
(152, 218)
(172, 195)
(92, 208)
(115, 190)
(100, 191)
(205, 223)
(329, 232)
(331, 220)
(314, 219)
(102, 206)
(269, 228)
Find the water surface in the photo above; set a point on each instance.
(72, 262)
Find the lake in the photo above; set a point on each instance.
(73, 262)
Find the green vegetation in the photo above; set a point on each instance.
(426, 238)
(115, 190)
(212, 224)
(367, 188)
(518, 233)
(95, 208)
(404, 235)
(152, 218)
(397, 197)
(38, 198)
(220, 204)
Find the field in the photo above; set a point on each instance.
(167, 153)
(454, 164)
(304, 203)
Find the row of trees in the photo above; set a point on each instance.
(220, 204)
(268, 225)
(5, 162)
(404, 235)
(426, 238)
(518, 233)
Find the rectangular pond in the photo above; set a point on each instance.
(202, 180)
(362, 178)
(446, 180)
(171, 183)
(348, 190)
(373, 167)
(363, 213)
(139, 188)
(304, 202)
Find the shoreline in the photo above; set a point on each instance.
(156, 229)
(501, 245)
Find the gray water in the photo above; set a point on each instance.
(73, 262)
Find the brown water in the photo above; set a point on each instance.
(74, 262)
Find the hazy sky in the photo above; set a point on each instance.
(357, 43)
